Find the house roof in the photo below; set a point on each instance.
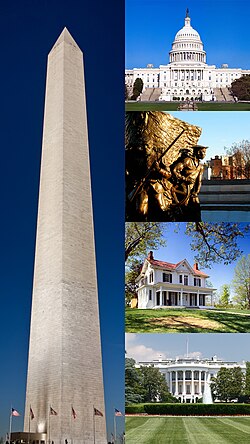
(170, 266)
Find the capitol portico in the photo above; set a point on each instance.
(189, 378)
(187, 76)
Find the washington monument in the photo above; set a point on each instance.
(64, 395)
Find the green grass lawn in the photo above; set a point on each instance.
(187, 321)
(172, 106)
(165, 430)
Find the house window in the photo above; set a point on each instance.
(185, 279)
(188, 390)
(150, 295)
(180, 278)
(197, 282)
(167, 277)
(151, 277)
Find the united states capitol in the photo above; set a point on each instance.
(187, 76)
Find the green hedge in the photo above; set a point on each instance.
(189, 409)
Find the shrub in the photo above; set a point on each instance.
(190, 409)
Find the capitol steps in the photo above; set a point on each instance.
(150, 95)
(223, 94)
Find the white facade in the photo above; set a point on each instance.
(186, 76)
(189, 378)
(162, 284)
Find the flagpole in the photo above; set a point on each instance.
(10, 424)
(29, 427)
(114, 426)
(94, 422)
(71, 424)
(49, 425)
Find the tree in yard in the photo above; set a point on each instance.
(241, 282)
(241, 88)
(155, 385)
(213, 243)
(133, 383)
(145, 384)
(140, 237)
(137, 88)
(228, 384)
(216, 242)
(130, 280)
(225, 295)
(240, 153)
(247, 379)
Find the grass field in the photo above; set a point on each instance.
(172, 106)
(187, 321)
(165, 430)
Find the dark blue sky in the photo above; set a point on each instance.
(28, 30)
(223, 26)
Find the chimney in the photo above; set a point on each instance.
(195, 266)
(150, 256)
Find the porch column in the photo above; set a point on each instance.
(170, 382)
(176, 384)
(198, 297)
(184, 383)
(181, 297)
(200, 382)
(192, 382)
(160, 295)
(212, 299)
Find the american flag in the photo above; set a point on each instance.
(14, 412)
(73, 413)
(52, 411)
(118, 413)
(97, 412)
(32, 416)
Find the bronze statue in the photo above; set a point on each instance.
(170, 180)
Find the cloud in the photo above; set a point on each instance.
(140, 352)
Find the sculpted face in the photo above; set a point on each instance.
(201, 152)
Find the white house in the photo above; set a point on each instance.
(162, 284)
(189, 378)
(187, 75)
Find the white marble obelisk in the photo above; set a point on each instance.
(65, 363)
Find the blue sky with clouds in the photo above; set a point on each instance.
(223, 26)
(228, 346)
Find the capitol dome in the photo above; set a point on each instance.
(187, 45)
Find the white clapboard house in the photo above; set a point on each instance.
(163, 284)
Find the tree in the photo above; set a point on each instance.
(247, 380)
(216, 243)
(241, 87)
(213, 243)
(145, 384)
(126, 92)
(137, 88)
(133, 383)
(240, 153)
(140, 237)
(225, 295)
(155, 386)
(241, 282)
(130, 280)
(228, 384)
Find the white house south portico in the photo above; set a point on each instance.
(189, 378)
(163, 284)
